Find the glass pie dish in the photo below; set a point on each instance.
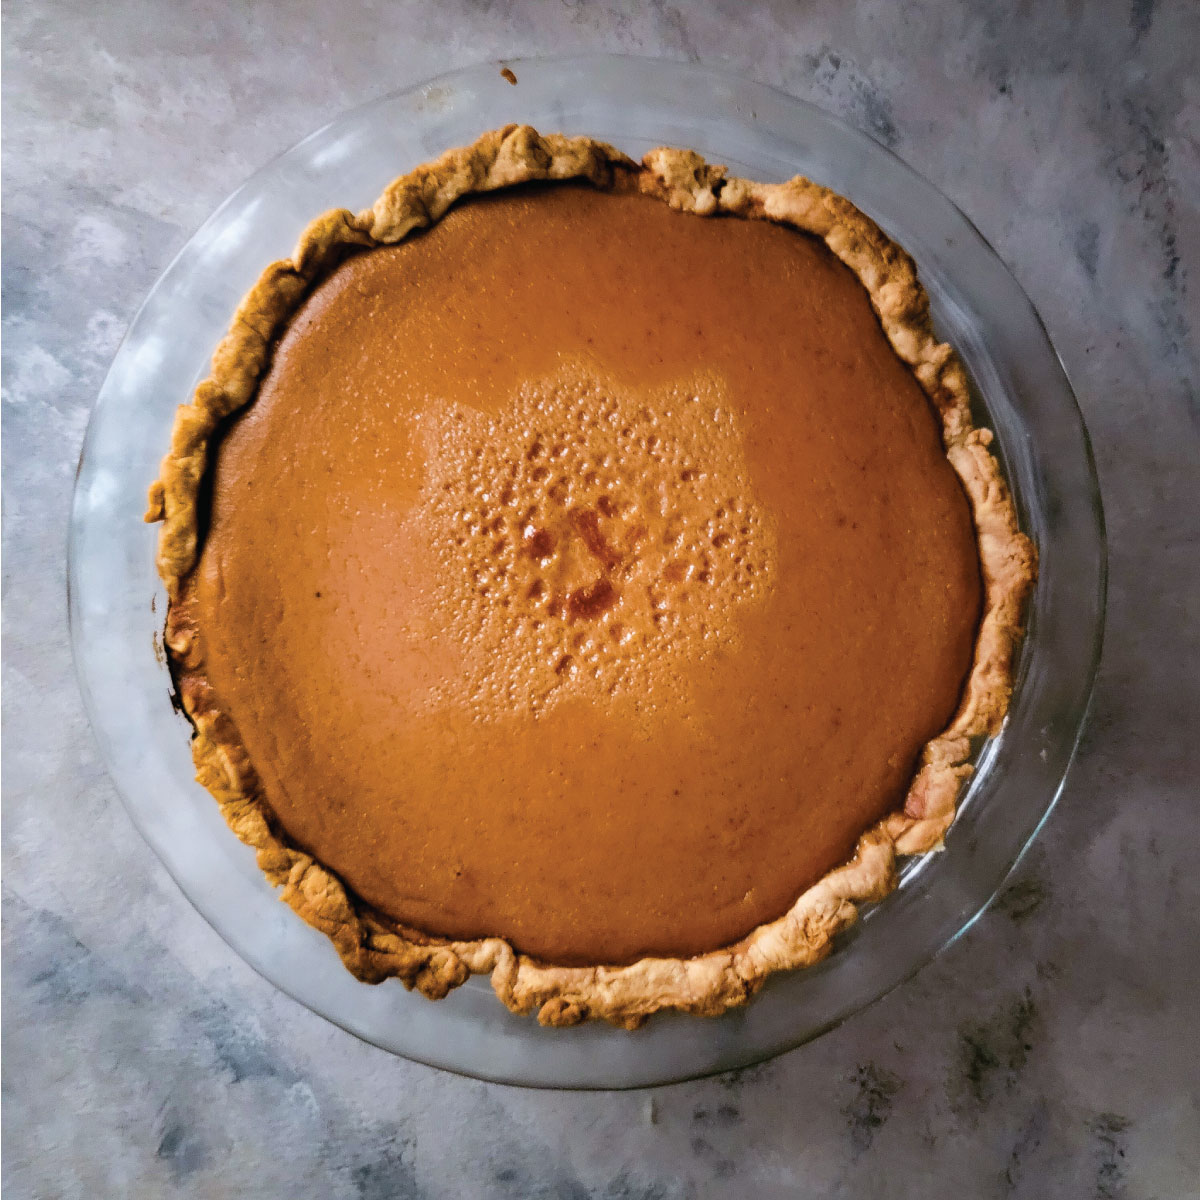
(117, 605)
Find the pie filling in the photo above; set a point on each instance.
(586, 573)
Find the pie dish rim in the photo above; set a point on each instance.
(708, 983)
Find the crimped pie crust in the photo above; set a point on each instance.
(374, 948)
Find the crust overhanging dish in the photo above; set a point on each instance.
(570, 585)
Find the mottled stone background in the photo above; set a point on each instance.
(1054, 1052)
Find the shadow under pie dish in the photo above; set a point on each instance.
(588, 573)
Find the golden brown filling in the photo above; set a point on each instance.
(587, 574)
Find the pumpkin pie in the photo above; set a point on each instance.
(587, 573)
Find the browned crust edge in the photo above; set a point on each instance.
(708, 984)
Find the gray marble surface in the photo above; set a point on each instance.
(1052, 1052)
